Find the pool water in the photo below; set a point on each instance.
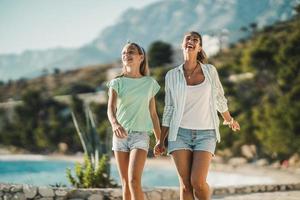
(49, 172)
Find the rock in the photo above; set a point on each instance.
(231, 190)
(46, 192)
(167, 194)
(154, 195)
(276, 164)
(16, 188)
(262, 162)
(5, 188)
(76, 199)
(96, 197)
(271, 188)
(62, 147)
(297, 186)
(19, 196)
(116, 193)
(61, 192)
(294, 160)
(236, 161)
(226, 153)
(29, 191)
(60, 198)
(282, 188)
(249, 151)
(7, 196)
(145, 197)
(218, 159)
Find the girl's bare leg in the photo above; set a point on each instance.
(136, 165)
(122, 159)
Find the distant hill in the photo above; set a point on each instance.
(83, 80)
(164, 20)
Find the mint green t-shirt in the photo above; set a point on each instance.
(133, 101)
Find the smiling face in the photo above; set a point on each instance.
(132, 56)
(191, 43)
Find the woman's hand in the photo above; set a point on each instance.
(233, 124)
(119, 131)
(159, 148)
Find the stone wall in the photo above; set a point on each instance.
(22, 192)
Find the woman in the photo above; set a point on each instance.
(132, 114)
(194, 94)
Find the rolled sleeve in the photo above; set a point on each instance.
(169, 108)
(221, 101)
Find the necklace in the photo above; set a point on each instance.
(189, 75)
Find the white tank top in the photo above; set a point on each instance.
(197, 114)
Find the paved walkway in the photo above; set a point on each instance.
(288, 195)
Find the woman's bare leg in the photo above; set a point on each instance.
(122, 159)
(135, 170)
(200, 166)
(183, 162)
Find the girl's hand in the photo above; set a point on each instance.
(159, 148)
(119, 131)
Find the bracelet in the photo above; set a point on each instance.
(228, 122)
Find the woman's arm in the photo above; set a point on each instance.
(169, 105)
(228, 120)
(222, 104)
(118, 130)
(167, 115)
(155, 120)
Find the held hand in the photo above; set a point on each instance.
(119, 131)
(159, 148)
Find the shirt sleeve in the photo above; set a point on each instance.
(221, 101)
(114, 84)
(169, 107)
(155, 88)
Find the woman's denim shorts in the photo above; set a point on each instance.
(194, 140)
(134, 140)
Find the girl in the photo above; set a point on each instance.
(194, 94)
(132, 114)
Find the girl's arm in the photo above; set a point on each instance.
(118, 130)
(155, 120)
(167, 115)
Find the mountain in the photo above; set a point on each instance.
(164, 20)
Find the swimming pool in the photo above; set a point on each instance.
(51, 172)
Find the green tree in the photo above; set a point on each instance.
(160, 53)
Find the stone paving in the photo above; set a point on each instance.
(288, 195)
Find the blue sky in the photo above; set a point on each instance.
(42, 24)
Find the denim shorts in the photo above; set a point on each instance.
(134, 140)
(194, 140)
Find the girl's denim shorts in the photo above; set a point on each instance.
(134, 140)
(194, 140)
